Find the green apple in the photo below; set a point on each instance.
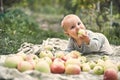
(59, 54)
(118, 65)
(92, 64)
(47, 59)
(72, 69)
(82, 59)
(105, 57)
(46, 54)
(100, 62)
(24, 66)
(81, 32)
(98, 70)
(48, 47)
(73, 61)
(85, 67)
(42, 66)
(12, 61)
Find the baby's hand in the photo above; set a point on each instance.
(83, 36)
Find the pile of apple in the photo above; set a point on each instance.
(61, 63)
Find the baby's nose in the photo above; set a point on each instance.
(78, 27)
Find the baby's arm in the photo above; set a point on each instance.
(96, 42)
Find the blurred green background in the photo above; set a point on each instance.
(36, 20)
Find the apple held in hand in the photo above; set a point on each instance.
(72, 69)
(12, 61)
(81, 32)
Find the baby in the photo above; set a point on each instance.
(83, 40)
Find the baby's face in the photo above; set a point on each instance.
(72, 24)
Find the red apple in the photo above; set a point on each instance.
(72, 69)
(24, 66)
(57, 67)
(110, 74)
(12, 61)
(66, 57)
(59, 60)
